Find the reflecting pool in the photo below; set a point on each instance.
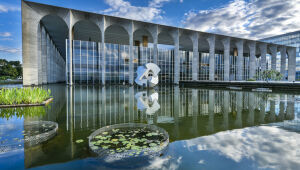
(207, 128)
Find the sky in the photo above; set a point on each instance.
(253, 19)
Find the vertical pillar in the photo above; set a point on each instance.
(155, 50)
(211, 42)
(195, 64)
(175, 35)
(239, 109)
(44, 55)
(290, 107)
(252, 49)
(211, 110)
(226, 106)
(131, 66)
(263, 54)
(71, 48)
(226, 44)
(39, 48)
(273, 49)
(251, 107)
(48, 59)
(283, 61)
(291, 64)
(195, 110)
(240, 60)
(30, 24)
(103, 49)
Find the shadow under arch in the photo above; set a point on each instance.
(86, 30)
(58, 30)
(139, 35)
(116, 34)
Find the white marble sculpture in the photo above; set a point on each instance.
(147, 102)
(147, 75)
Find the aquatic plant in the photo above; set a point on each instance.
(13, 96)
(129, 141)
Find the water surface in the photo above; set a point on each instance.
(208, 128)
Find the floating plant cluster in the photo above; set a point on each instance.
(128, 140)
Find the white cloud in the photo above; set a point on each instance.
(9, 50)
(125, 9)
(254, 19)
(157, 3)
(261, 144)
(5, 34)
(7, 8)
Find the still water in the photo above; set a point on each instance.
(208, 128)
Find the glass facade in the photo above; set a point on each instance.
(291, 39)
(87, 67)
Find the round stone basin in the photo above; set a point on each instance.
(36, 132)
(129, 141)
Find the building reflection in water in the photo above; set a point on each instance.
(184, 113)
(94, 107)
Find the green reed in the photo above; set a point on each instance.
(23, 96)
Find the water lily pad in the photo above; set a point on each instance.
(79, 141)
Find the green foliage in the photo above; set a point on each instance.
(251, 80)
(10, 69)
(20, 112)
(269, 75)
(23, 96)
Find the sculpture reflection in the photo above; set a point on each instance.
(147, 101)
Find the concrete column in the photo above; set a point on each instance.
(240, 60)
(239, 109)
(226, 105)
(195, 64)
(252, 49)
(30, 24)
(263, 54)
(273, 49)
(131, 66)
(44, 55)
(251, 108)
(283, 61)
(195, 110)
(290, 107)
(211, 42)
(154, 32)
(291, 64)
(71, 48)
(175, 35)
(48, 59)
(103, 49)
(211, 111)
(226, 44)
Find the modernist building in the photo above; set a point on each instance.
(67, 45)
(290, 39)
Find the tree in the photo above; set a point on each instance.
(274, 75)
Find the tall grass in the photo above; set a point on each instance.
(23, 96)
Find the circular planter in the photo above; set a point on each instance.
(128, 145)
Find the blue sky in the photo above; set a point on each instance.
(252, 19)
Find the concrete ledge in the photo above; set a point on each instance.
(44, 103)
(286, 86)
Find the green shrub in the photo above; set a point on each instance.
(23, 96)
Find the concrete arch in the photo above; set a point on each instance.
(185, 42)
(143, 35)
(86, 30)
(116, 34)
(165, 38)
(55, 24)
